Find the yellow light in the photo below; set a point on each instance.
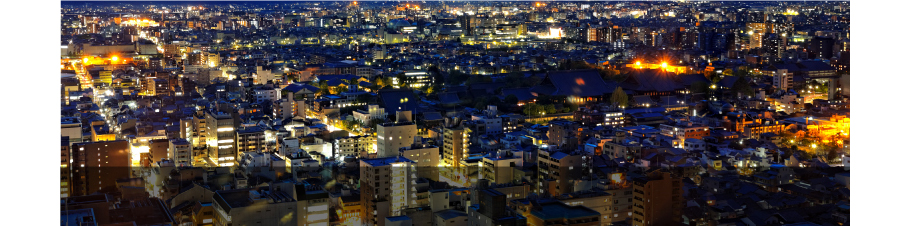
(114, 58)
(663, 65)
(85, 60)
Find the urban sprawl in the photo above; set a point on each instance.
(455, 113)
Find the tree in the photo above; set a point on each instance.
(338, 89)
(608, 74)
(699, 87)
(710, 74)
(511, 100)
(741, 86)
(479, 79)
(619, 98)
(514, 79)
(742, 71)
(530, 81)
(550, 109)
(363, 99)
(402, 80)
(323, 87)
(532, 109)
(457, 78)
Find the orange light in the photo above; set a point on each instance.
(663, 65)
(114, 58)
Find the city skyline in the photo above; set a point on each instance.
(455, 113)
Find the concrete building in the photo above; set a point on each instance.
(356, 146)
(262, 94)
(385, 187)
(657, 199)
(285, 109)
(426, 158)
(65, 176)
(251, 139)
(558, 213)
(558, 169)
(783, 79)
(455, 142)
(684, 131)
(564, 133)
(180, 151)
(451, 218)
(220, 138)
(491, 209)
(398, 221)
(279, 204)
(499, 167)
(262, 76)
(98, 165)
(71, 127)
(486, 123)
(350, 209)
(392, 136)
(373, 112)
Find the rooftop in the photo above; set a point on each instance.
(559, 210)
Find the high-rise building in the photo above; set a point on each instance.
(564, 133)
(250, 139)
(455, 142)
(98, 165)
(657, 199)
(783, 79)
(65, 177)
(220, 138)
(385, 187)
(558, 169)
(822, 47)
